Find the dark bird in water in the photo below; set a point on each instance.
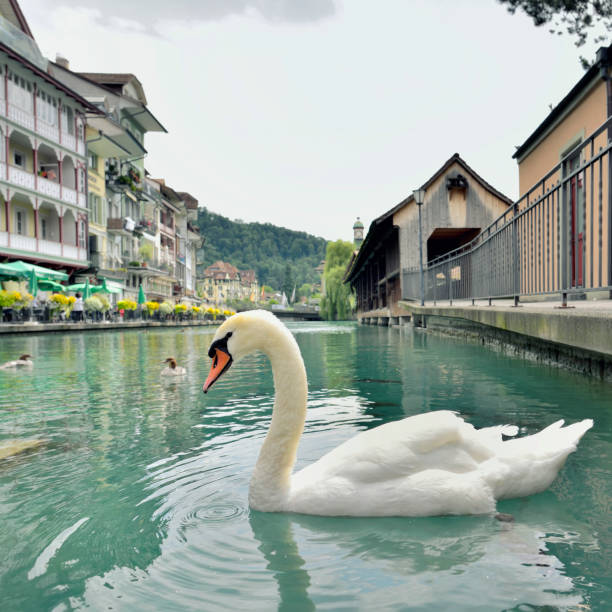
(172, 369)
(25, 361)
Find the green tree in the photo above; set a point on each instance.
(337, 304)
(262, 247)
(288, 282)
(305, 290)
(576, 17)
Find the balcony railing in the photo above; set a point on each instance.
(50, 188)
(146, 225)
(42, 185)
(120, 225)
(48, 248)
(25, 118)
(557, 239)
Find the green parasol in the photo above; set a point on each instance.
(20, 267)
(87, 290)
(104, 287)
(141, 295)
(6, 271)
(33, 284)
(75, 287)
(49, 285)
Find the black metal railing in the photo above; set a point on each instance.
(557, 239)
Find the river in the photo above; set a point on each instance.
(136, 498)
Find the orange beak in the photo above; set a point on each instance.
(221, 362)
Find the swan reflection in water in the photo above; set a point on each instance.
(441, 563)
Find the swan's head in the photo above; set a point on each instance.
(25, 357)
(240, 335)
(171, 361)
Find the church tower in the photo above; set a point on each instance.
(357, 233)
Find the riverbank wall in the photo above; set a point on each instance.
(38, 328)
(577, 338)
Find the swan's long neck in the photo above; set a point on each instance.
(271, 477)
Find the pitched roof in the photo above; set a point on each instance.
(220, 269)
(109, 77)
(378, 228)
(190, 202)
(11, 11)
(598, 70)
(248, 276)
(50, 79)
(115, 82)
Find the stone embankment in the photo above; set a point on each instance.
(31, 327)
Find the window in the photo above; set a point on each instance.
(81, 239)
(96, 208)
(46, 108)
(20, 92)
(69, 121)
(19, 158)
(93, 161)
(20, 221)
(43, 228)
(81, 185)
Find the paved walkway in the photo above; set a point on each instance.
(582, 307)
(584, 324)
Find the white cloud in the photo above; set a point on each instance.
(310, 123)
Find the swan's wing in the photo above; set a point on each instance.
(435, 440)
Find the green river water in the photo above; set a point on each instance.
(137, 499)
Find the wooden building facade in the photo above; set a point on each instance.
(458, 205)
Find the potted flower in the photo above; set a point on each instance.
(165, 308)
(7, 299)
(151, 308)
(128, 307)
(180, 310)
(93, 306)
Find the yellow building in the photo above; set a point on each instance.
(565, 204)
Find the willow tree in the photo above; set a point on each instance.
(338, 302)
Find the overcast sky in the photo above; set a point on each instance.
(309, 113)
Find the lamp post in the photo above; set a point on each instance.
(419, 196)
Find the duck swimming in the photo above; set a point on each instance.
(172, 369)
(424, 465)
(25, 361)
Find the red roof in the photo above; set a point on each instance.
(221, 270)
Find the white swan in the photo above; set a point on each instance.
(172, 369)
(25, 361)
(429, 464)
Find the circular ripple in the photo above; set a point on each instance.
(217, 513)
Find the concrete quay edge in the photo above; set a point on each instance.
(589, 329)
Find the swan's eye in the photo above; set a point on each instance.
(221, 344)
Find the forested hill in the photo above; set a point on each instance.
(262, 247)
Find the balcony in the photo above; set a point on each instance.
(146, 268)
(169, 229)
(146, 225)
(44, 187)
(26, 119)
(120, 225)
(42, 248)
